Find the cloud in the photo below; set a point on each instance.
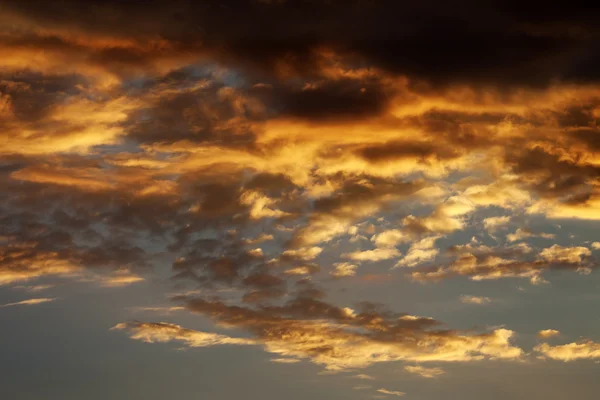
(29, 302)
(474, 299)
(486, 263)
(447, 217)
(158, 310)
(424, 371)
(119, 279)
(20, 265)
(584, 350)
(390, 238)
(521, 234)
(303, 270)
(567, 255)
(493, 223)
(391, 392)
(285, 360)
(547, 333)
(333, 216)
(420, 252)
(164, 332)
(313, 330)
(372, 255)
(118, 48)
(303, 254)
(344, 269)
(35, 288)
(231, 160)
(363, 376)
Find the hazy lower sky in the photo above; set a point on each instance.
(299, 199)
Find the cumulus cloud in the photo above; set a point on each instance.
(344, 269)
(547, 333)
(567, 255)
(584, 350)
(303, 254)
(420, 252)
(390, 238)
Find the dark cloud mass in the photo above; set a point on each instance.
(496, 43)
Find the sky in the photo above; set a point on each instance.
(266, 199)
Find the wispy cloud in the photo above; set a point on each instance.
(29, 302)
(391, 392)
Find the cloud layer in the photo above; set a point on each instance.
(262, 153)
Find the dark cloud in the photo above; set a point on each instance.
(206, 112)
(406, 149)
(31, 95)
(324, 101)
(441, 43)
(553, 176)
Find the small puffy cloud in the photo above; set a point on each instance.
(373, 255)
(568, 255)
(29, 302)
(302, 254)
(419, 252)
(263, 237)
(547, 333)
(447, 217)
(344, 269)
(585, 350)
(304, 270)
(391, 392)
(493, 223)
(260, 205)
(502, 193)
(258, 252)
(390, 238)
(474, 299)
(424, 371)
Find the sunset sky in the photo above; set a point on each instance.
(299, 199)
